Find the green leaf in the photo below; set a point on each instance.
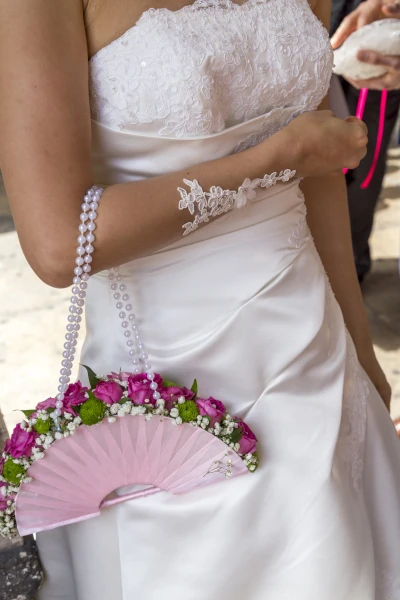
(28, 413)
(168, 384)
(236, 435)
(195, 388)
(93, 379)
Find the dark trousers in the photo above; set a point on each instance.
(362, 203)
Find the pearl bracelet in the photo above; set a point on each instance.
(205, 205)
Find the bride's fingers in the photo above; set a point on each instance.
(359, 122)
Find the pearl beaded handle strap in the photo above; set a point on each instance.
(81, 276)
(138, 355)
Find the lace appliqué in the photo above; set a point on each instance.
(385, 586)
(205, 205)
(271, 123)
(299, 233)
(354, 417)
(210, 66)
(330, 304)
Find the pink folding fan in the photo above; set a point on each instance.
(79, 472)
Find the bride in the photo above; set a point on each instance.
(260, 304)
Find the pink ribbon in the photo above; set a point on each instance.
(362, 99)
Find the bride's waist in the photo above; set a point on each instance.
(184, 293)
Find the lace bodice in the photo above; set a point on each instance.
(211, 66)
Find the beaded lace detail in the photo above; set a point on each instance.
(354, 419)
(385, 585)
(210, 66)
(205, 205)
(300, 232)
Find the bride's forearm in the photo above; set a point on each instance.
(328, 219)
(137, 218)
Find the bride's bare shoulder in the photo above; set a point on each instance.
(44, 119)
(322, 9)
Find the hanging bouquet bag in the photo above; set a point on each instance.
(65, 460)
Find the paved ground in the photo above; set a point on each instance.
(32, 315)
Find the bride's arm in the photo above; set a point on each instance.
(45, 150)
(328, 219)
(45, 139)
(329, 222)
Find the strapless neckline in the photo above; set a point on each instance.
(196, 5)
(210, 66)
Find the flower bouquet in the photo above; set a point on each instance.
(214, 443)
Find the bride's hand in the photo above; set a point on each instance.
(324, 144)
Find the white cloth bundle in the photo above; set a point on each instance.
(382, 36)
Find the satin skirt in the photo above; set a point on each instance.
(244, 306)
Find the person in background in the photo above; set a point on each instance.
(348, 16)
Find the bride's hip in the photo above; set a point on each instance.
(261, 285)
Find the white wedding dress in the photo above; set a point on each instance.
(243, 305)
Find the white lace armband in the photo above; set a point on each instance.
(205, 205)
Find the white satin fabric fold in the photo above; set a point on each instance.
(244, 306)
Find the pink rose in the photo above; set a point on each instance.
(49, 403)
(211, 408)
(248, 440)
(139, 388)
(122, 375)
(74, 396)
(21, 442)
(108, 391)
(171, 395)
